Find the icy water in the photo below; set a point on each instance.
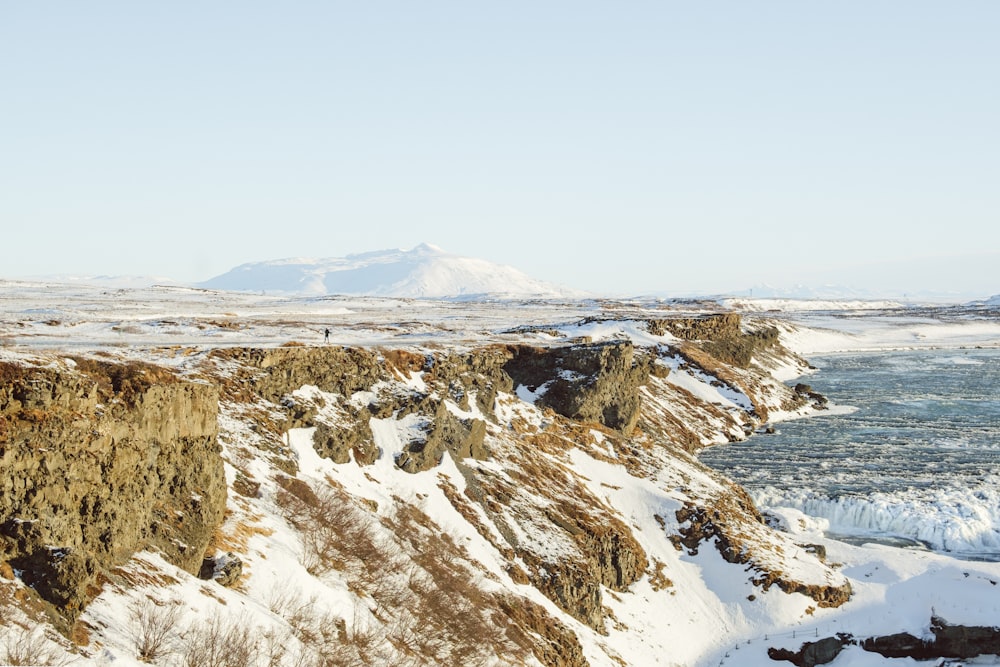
(917, 462)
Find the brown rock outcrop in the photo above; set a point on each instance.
(479, 373)
(950, 641)
(281, 371)
(337, 443)
(463, 438)
(595, 382)
(100, 462)
(811, 654)
(722, 335)
(725, 522)
(708, 327)
(553, 643)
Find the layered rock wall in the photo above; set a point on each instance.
(100, 462)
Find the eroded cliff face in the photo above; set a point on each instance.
(100, 460)
(557, 533)
(106, 458)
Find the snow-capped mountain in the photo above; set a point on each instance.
(425, 271)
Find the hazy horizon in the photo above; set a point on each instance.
(819, 285)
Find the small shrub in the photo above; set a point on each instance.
(329, 523)
(221, 643)
(28, 647)
(153, 627)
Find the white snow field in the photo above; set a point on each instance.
(710, 615)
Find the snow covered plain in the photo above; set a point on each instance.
(707, 619)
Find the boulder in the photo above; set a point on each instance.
(225, 569)
(811, 654)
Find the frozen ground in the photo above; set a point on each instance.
(72, 315)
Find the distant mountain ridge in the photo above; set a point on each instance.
(425, 271)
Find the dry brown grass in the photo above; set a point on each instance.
(231, 325)
(138, 572)
(418, 589)
(404, 362)
(459, 623)
(236, 537)
(336, 534)
(657, 579)
(80, 633)
(12, 372)
(124, 380)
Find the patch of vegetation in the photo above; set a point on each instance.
(126, 381)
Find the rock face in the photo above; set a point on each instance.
(476, 376)
(709, 327)
(99, 462)
(277, 372)
(723, 333)
(598, 383)
(950, 641)
(344, 371)
(338, 443)
(606, 555)
(726, 523)
(558, 647)
(462, 437)
(811, 654)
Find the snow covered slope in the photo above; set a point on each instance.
(422, 272)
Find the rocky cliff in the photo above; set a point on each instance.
(101, 460)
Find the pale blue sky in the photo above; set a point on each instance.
(610, 146)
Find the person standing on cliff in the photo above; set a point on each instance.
(326, 335)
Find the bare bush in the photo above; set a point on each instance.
(221, 643)
(458, 622)
(295, 609)
(424, 603)
(322, 635)
(153, 628)
(275, 647)
(29, 647)
(324, 518)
